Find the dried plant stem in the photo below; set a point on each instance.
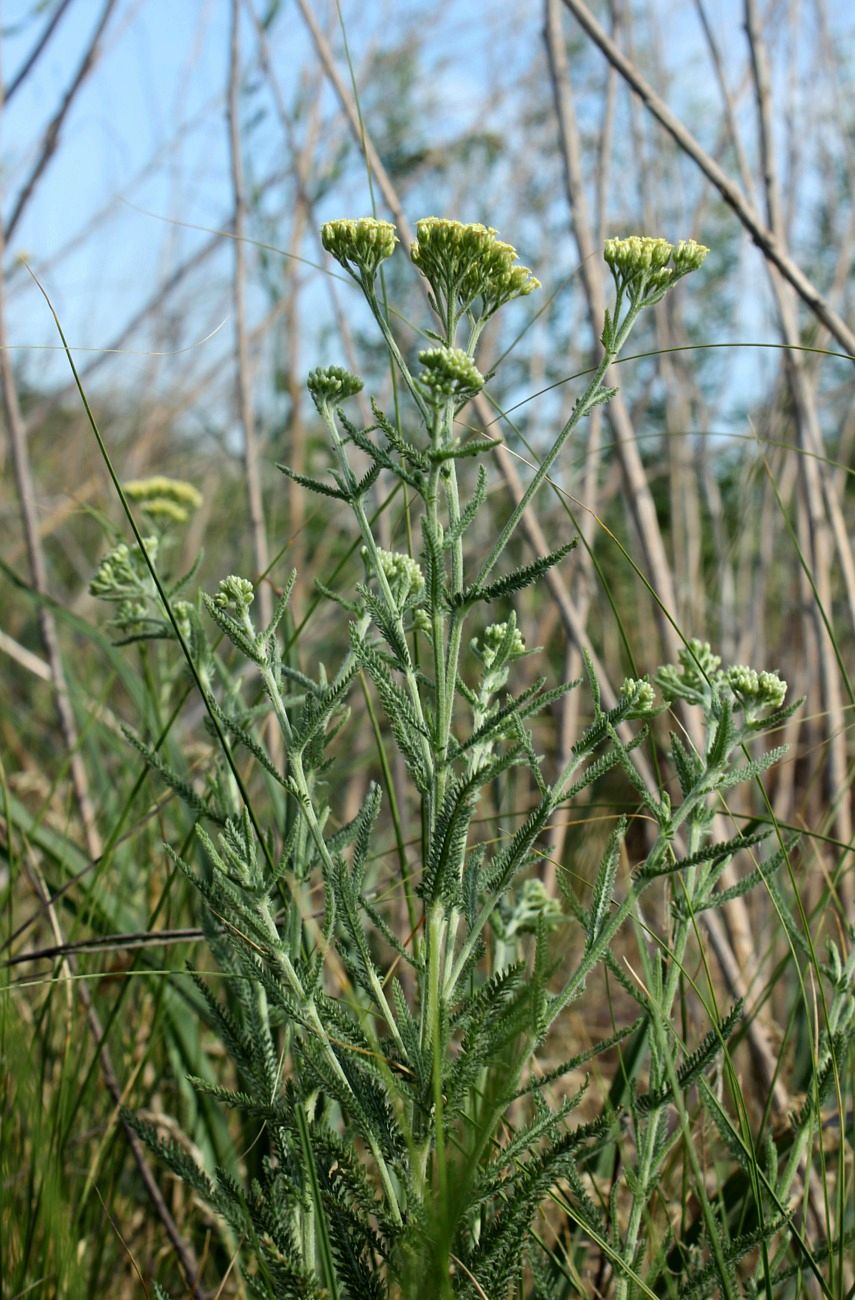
(246, 414)
(37, 50)
(733, 966)
(38, 574)
(79, 779)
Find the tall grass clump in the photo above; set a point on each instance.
(389, 1054)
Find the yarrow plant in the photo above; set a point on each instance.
(125, 576)
(411, 1139)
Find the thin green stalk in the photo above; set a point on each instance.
(582, 407)
(394, 810)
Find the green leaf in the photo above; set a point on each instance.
(516, 581)
(602, 897)
(703, 1056)
(469, 511)
(315, 485)
(721, 852)
(405, 725)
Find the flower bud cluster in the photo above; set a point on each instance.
(700, 676)
(131, 614)
(697, 674)
(360, 244)
(535, 909)
(449, 372)
(183, 612)
(330, 385)
(464, 263)
(235, 593)
(422, 622)
(160, 497)
(499, 644)
(755, 690)
(645, 268)
(123, 575)
(642, 695)
(404, 576)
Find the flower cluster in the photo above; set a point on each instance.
(536, 910)
(160, 497)
(359, 244)
(449, 372)
(123, 574)
(330, 385)
(645, 268)
(499, 643)
(234, 593)
(694, 677)
(124, 580)
(642, 695)
(404, 576)
(464, 263)
(700, 676)
(755, 690)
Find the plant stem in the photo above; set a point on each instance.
(585, 404)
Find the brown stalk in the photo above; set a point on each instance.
(68, 730)
(587, 250)
(37, 50)
(637, 490)
(17, 437)
(809, 426)
(731, 967)
(686, 514)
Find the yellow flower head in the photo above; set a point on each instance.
(160, 488)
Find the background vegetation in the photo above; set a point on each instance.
(713, 498)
